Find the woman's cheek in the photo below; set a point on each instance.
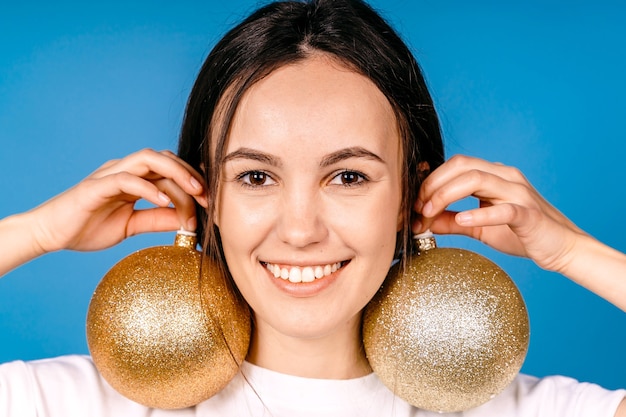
(370, 224)
(243, 213)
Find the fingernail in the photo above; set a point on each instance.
(163, 197)
(428, 208)
(195, 183)
(419, 205)
(417, 226)
(464, 218)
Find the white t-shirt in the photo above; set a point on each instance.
(70, 386)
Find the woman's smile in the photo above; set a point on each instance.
(304, 281)
(304, 274)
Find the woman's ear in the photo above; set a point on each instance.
(206, 207)
(423, 169)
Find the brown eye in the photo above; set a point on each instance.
(256, 179)
(348, 178)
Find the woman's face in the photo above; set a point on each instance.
(309, 199)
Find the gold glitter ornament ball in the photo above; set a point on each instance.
(449, 333)
(164, 334)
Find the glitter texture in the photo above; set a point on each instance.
(448, 334)
(162, 334)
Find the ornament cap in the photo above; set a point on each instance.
(185, 239)
(425, 241)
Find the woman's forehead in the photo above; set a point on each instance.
(316, 97)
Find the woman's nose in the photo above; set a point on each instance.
(301, 218)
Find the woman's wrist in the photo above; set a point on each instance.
(599, 268)
(18, 237)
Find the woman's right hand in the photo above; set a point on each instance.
(100, 212)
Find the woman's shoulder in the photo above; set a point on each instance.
(551, 395)
(72, 364)
(64, 386)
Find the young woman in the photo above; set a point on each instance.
(309, 155)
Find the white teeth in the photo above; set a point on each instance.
(319, 272)
(308, 275)
(295, 275)
(302, 274)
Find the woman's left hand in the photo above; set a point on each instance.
(512, 216)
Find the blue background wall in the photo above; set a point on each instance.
(538, 85)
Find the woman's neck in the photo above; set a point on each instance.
(339, 355)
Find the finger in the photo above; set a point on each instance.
(445, 224)
(160, 219)
(508, 224)
(121, 186)
(104, 166)
(445, 221)
(197, 175)
(150, 164)
(163, 192)
(183, 203)
(202, 197)
(458, 165)
(501, 214)
(485, 186)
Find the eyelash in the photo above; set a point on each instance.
(244, 178)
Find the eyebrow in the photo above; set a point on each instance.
(333, 158)
(347, 153)
(247, 153)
